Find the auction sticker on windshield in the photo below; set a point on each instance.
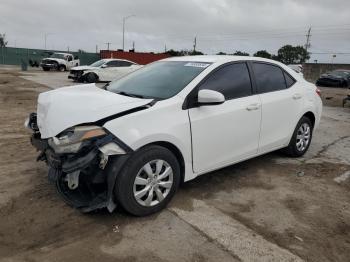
(202, 65)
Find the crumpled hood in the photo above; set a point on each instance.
(86, 67)
(70, 106)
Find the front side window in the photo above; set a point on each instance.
(159, 80)
(113, 64)
(268, 77)
(232, 81)
(98, 63)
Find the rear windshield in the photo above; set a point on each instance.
(159, 80)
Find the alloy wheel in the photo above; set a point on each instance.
(303, 137)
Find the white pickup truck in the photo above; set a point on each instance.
(60, 62)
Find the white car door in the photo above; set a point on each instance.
(229, 132)
(124, 68)
(116, 69)
(70, 61)
(282, 103)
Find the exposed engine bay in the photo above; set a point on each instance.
(77, 160)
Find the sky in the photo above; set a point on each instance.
(220, 25)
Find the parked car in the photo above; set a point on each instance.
(170, 121)
(335, 78)
(104, 70)
(60, 62)
(297, 68)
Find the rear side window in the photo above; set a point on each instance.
(124, 63)
(269, 78)
(289, 80)
(232, 81)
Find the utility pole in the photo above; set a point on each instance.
(308, 39)
(96, 48)
(124, 19)
(165, 48)
(108, 43)
(194, 44)
(133, 45)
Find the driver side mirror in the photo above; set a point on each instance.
(210, 97)
(103, 66)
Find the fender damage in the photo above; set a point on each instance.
(84, 159)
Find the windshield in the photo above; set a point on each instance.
(60, 56)
(160, 80)
(98, 63)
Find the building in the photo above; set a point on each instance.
(139, 58)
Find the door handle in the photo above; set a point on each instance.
(297, 96)
(253, 107)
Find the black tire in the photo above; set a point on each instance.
(61, 68)
(91, 78)
(46, 68)
(292, 149)
(124, 188)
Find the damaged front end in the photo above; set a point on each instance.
(78, 163)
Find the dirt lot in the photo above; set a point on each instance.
(334, 96)
(271, 208)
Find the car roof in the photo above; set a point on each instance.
(116, 59)
(219, 59)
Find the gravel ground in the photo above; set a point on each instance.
(270, 208)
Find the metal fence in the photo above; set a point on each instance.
(15, 56)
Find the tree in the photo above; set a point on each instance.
(263, 54)
(172, 52)
(221, 53)
(240, 53)
(3, 41)
(292, 54)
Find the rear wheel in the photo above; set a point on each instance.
(148, 181)
(301, 138)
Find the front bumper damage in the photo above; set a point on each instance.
(84, 179)
(76, 75)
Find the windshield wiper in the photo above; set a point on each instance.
(129, 94)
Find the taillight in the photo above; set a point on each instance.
(318, 91)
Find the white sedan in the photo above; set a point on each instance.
(171, 121)
(104, 70)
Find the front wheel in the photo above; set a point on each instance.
(148, 181)
(91, 78)
(301, 138)
(61, 68)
